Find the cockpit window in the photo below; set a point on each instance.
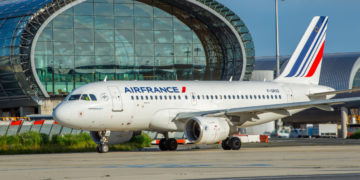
(93, 97)
(74, 97)
(85, 97)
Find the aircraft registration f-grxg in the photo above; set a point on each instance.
(207, 111)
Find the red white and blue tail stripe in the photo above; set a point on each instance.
(305, 64)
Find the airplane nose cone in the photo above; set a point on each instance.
(60, 115)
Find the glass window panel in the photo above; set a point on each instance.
(46, 35)
(64, 35)
(198, 50)
(163, 24)
(125, 61)
(103, 9)
(196, 39)
(84, 35)
(164, 36)
(84, 22)
(161, 13)
(63, 21)
(183, 50)
(104, 1)
(164, 50)
(105, 62)
(144, 50)
(142, 9)
(104, 49)
(183, 36)
(124, 35)
(64, 63)
(144, 61)
(102, 22)
(144, 23)
(104, 35)
(84, 9)
(84, 49)
(123, 1)
(144, 36)
(124, 22)
(63, 48)
(124, 9)
(178, 25)
(124, 49)
(44, 48)
(164, 61)
(199, 61)
(84, 62)
(183, 60)
(41, 62)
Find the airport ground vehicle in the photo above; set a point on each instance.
(325, 130)
(295, 133)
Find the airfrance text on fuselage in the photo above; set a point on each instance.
(154, 90)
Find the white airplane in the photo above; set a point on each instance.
(207, 111)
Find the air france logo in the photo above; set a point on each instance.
(154, 90)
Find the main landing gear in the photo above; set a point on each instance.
(231, 143)
(167, 143)
(103, 147)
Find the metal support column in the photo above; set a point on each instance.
(344, 122)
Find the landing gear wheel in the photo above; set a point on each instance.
(225, 144)
(163, 145)
(235, 143)
(172, 144)
(102, 148)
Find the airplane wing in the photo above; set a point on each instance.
(334, 92)
(253, 111)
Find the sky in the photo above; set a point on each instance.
(343, 34)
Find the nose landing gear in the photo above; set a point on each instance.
(103, 147)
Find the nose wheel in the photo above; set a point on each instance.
(231, 143)
(103, 147)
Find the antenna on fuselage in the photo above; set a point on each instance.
(230, 80)
(105, 79)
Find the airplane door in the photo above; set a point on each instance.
(289, 94)
(115, 98)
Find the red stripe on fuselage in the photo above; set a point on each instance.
(316, 62)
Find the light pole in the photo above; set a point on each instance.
(278, 123)
(277, 39)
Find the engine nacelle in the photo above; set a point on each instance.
(207, 130)
(115, 137)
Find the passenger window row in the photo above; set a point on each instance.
(205, 97)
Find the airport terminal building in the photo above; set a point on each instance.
(50, 47)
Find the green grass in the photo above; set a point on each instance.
(34, 142)
(355, 135)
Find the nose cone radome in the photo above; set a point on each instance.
(61, 115)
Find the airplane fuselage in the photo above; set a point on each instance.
(153, 105)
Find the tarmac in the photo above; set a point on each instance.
(274, 162)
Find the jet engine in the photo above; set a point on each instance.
(207, 130)
(115, 137)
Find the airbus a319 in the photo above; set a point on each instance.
(207, 111)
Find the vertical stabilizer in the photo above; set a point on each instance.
(304, 65)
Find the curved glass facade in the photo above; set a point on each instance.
(120, 39)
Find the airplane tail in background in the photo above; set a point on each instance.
(304, 65)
